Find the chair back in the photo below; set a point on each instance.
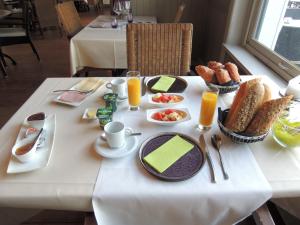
(179, 13)
(156, 49)
(69, 18)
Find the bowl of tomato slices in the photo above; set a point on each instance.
(168, 117)
(165, 99)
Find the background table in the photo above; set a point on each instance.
(67, 183)
(101, 47)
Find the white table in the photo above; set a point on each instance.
(101, 47)
(68, 181)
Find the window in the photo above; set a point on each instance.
(274, 35)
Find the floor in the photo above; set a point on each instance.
(23, 80)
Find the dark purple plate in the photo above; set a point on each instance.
(185, 167)
(178, 86)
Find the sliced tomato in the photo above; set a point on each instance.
(169, 111)
(155, 99)
(158, 116)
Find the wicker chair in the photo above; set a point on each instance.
(156, 49)
(179, 13)
(69, 18)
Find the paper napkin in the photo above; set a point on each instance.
(164, 83)
(168, 153)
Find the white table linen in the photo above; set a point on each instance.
(126, 194)
(68, 185)
(101, 47)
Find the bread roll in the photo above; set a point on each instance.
(222, 76)
(266, 115)
(245, 104)
(206, 73)
(233, 71)
(268, 93)
(214, 65)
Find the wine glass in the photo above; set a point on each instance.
(126, 7)
(118, 7)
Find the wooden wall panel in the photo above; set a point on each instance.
(207, 16)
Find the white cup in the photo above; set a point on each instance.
(115, 134)
(118, 86)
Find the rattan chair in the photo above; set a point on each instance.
(69, 18)
(179, 13)
(156, 49)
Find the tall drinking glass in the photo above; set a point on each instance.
(208, 108)
(134, 89)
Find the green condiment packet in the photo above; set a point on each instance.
(168, 153)
(164, 83)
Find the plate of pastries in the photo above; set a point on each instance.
(224, 77)
(252, 112)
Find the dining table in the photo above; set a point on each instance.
(98, 45)
(68, 181)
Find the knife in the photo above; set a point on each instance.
(209, 160)
(144, 86)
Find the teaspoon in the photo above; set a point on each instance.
(216, 142)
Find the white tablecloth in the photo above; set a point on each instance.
(101, 47)
(126, 194)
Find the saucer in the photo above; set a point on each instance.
(124, 98)
(104, 150)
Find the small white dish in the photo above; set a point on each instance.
(170, 104)
(29, 146)
(104, 150)
(150, 113)
(282, 93)
(36, 123)
(90, 114)
(42, 154)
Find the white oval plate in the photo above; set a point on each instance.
(150, 112)
(171, 104)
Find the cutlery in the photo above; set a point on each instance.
(103, 137)
(206, 151)
(144, 86)
(83, 92)
(216, 142)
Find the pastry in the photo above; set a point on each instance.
(233, 71)
(222, 76)
(268, 93)
(206, 73)
(214, 65)
(245, 104)
(266, 115)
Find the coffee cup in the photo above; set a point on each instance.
(115, 134)
(118, 86)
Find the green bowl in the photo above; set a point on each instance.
(286, 132)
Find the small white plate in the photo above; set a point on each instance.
(42, 155)
(86, 116)
(171, 104)
(150, 112)
(104, 150)
(75, 104)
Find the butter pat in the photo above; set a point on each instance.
(293, 87)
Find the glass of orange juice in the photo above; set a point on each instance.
(208, 108)
(134, 90)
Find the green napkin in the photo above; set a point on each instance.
(164, 83)
(168, 153)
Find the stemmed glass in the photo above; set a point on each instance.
(118, 7)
